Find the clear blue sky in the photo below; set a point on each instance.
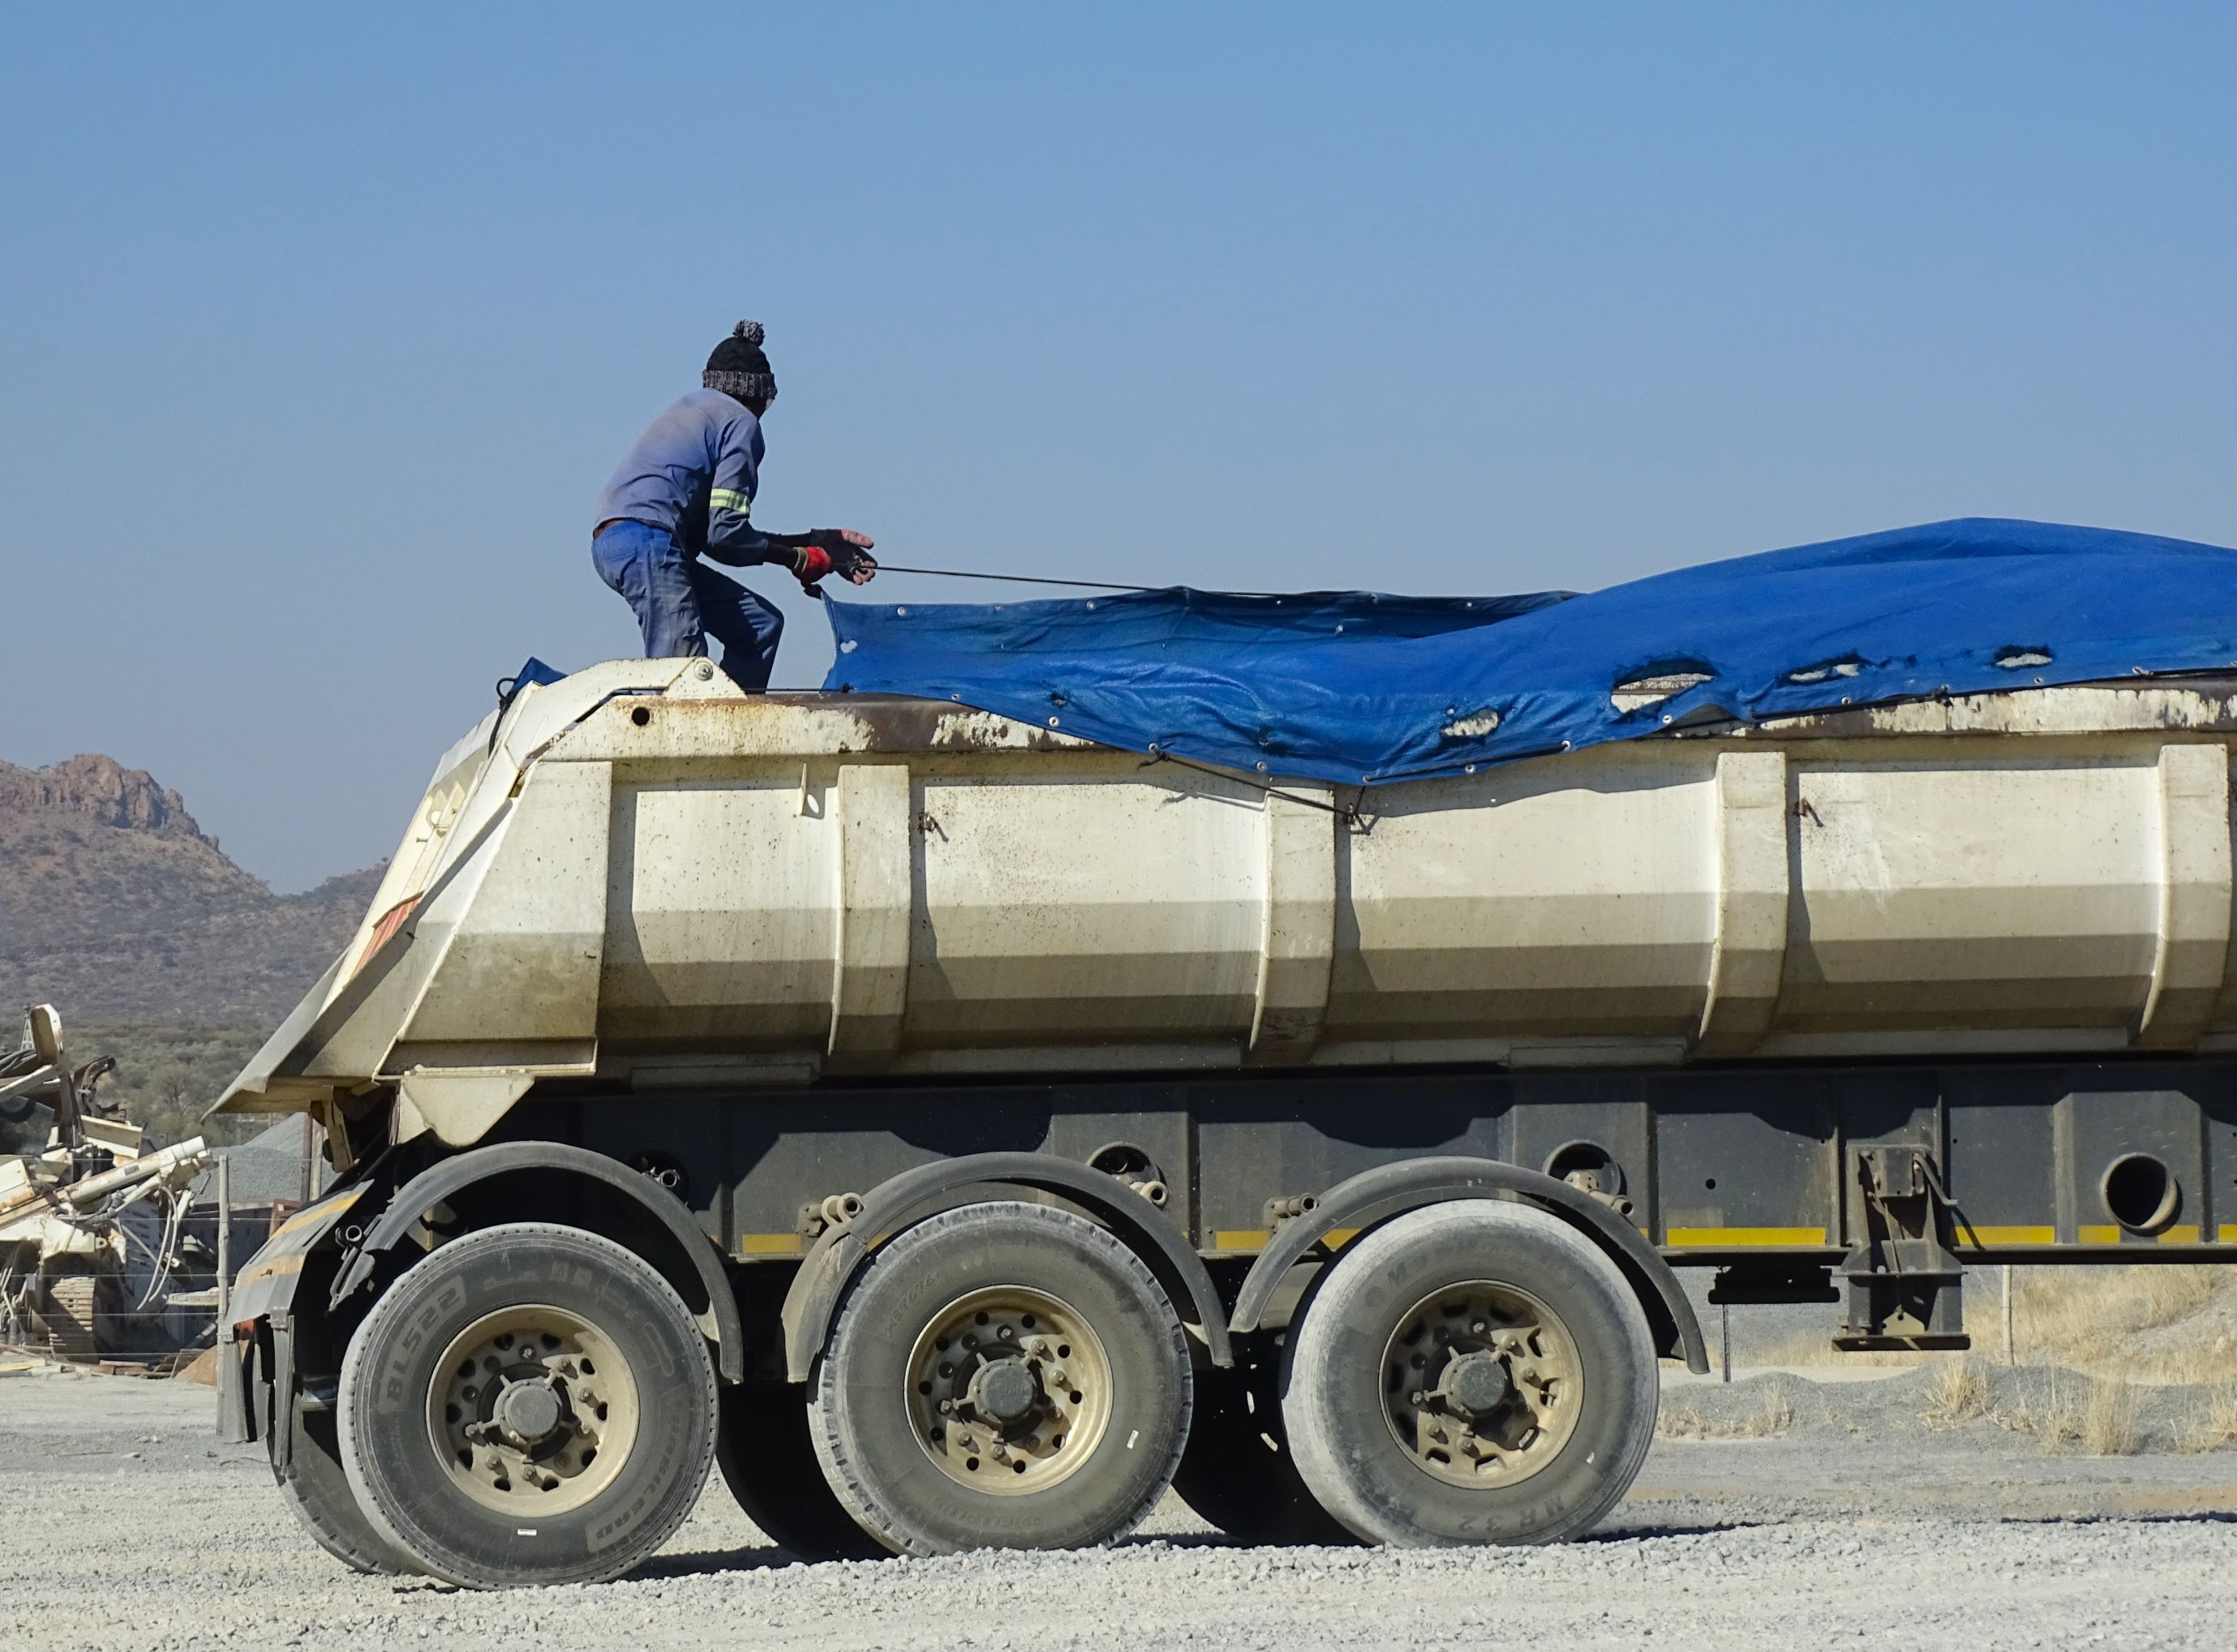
(321, 327)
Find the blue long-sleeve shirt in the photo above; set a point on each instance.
(694, 474)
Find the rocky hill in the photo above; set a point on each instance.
(118, 909)
(116, 906)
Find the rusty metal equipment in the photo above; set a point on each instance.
(91, 1225)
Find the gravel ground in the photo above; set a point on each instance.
(1851, 1521)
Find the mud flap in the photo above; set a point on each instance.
(256, 1370)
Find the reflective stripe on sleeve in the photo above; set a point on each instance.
(730, 499)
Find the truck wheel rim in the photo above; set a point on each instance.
(532, 1410)
(1482, 1384)
(1009, 1390)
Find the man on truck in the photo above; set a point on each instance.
(685, 492)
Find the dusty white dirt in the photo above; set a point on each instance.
(129, 1526)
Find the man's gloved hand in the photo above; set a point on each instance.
(836, 551)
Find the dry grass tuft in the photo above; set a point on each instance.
(2050, 1413)
(2211, 1427)
(1776, 1416)
(2099, 1421)
(2155, 1323)
(2109, 1420)
(1684, 1419)
(1957, 1392)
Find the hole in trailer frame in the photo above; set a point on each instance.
(2140, 1192)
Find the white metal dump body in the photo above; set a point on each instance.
(656, 880)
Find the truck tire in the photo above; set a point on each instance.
(318, 1491)
(529, 1405)
(769, 1464)
(1237, 1472)
(1002, 1376)
(1476, 1373)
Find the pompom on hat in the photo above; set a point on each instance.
(738, 368)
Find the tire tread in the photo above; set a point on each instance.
(400, 1298)
(1312, 1411)
(832, 1450)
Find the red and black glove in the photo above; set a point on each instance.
(810, 564)
(832, 550)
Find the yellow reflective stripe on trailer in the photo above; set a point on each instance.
(730, 499)
(1722, 1238)
(2182, 1232)
(768, 1245)
(1985, 1234)
(319, 1212)
(273, 1269)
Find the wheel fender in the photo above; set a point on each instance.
(442, 1181)
(1389, 1190)
(893, 1204)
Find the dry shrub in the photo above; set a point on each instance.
(1957, 1392)
(2109, 1420)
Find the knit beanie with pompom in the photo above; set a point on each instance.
(738, 368)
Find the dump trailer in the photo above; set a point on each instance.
(962, 1132)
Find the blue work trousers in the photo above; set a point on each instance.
(679, 603)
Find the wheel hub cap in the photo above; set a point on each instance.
(1475, 1385)
(528, 1412)
(1004, 1390)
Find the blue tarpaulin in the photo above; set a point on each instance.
(1357, 688)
